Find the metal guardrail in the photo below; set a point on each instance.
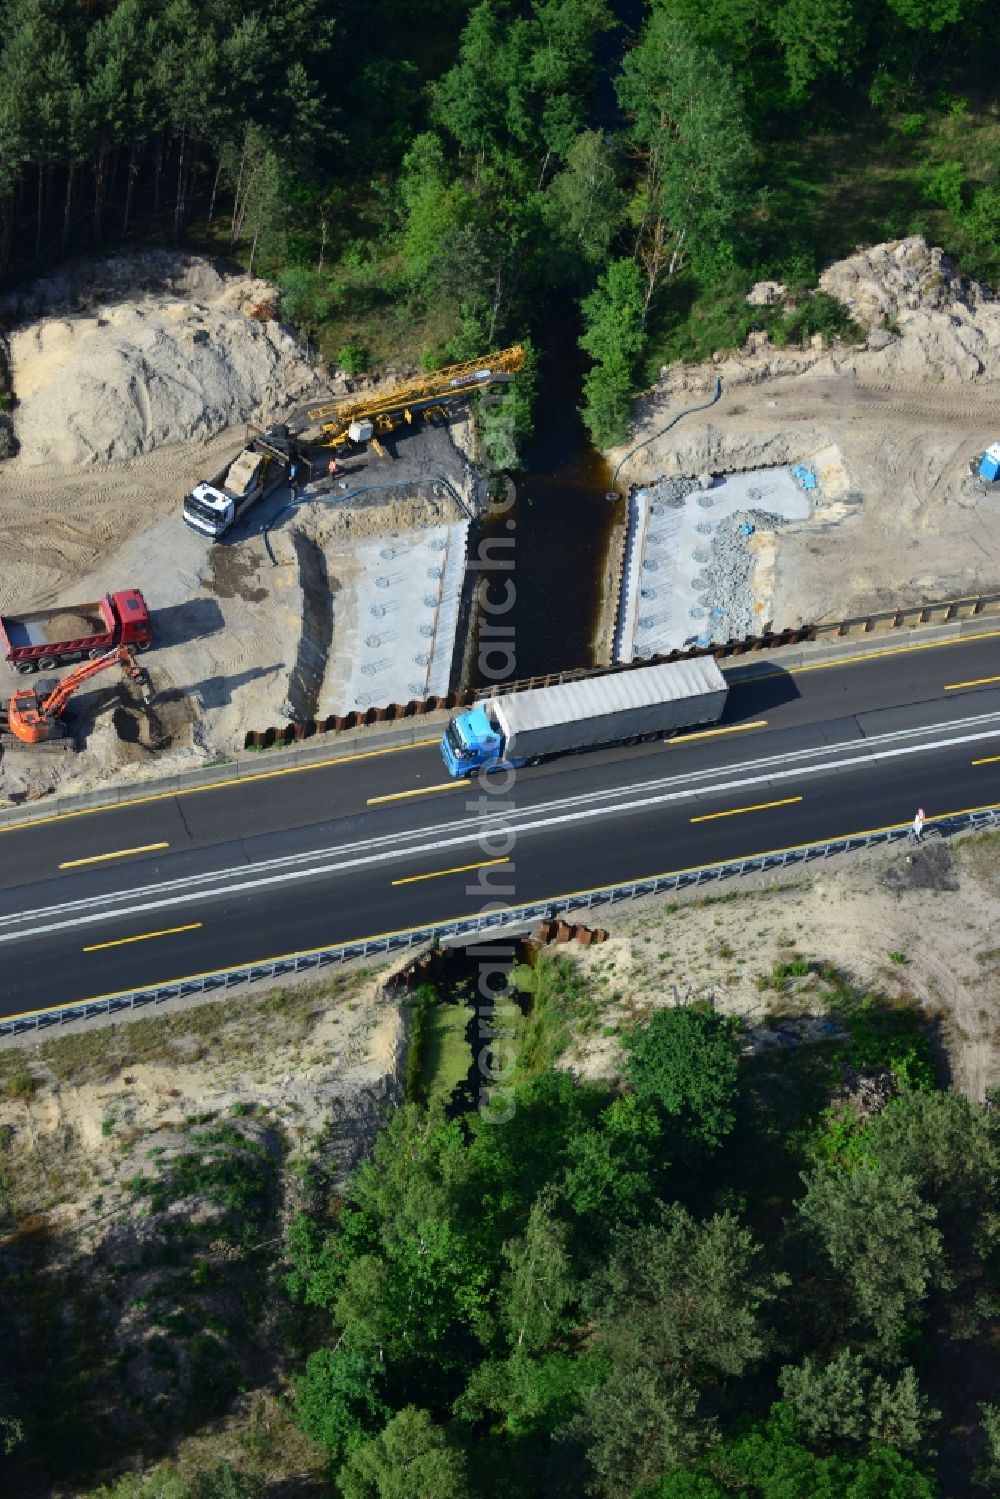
(969, 607)
(481, 924)
(945, 611)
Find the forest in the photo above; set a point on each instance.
(749, 1260)
(427, 182)
(727, 1276)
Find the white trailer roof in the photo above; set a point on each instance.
(569, 702)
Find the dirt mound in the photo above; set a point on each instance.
(134, 275)
(103, 386)
(905, 275)
(944, 328)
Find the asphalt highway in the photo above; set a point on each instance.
(297, 858)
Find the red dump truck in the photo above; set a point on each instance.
(72, 632)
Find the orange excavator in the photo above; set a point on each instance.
(34, 715)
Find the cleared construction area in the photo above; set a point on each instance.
(155, 366)
(889, 428)
(689, 560)
(822, 482)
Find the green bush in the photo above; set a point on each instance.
(352, 358)
(413, 1084)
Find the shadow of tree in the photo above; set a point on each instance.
(150, 1332)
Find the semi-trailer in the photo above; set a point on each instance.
(645, 702)
(47, 638)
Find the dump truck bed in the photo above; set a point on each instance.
(244, 474)
(53, 626)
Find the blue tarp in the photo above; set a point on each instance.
(804, 476)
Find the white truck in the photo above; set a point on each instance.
(520, 728)
(214, 505)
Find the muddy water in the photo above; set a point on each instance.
(562, 529)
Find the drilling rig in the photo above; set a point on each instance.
(431, 396)
(34, 715)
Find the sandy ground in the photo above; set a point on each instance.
(889, 426)
(304, 1054)
(908, 526)
(230, 628)
(937, 909)
(87, 1117)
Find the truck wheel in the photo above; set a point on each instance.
(143, 646)
(48, 663)
(25, 668)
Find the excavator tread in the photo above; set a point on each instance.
(66, 745)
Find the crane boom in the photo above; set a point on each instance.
(387, 407)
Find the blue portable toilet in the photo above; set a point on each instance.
(989, 467)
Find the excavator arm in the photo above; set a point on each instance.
(122, 656)
(34, 720)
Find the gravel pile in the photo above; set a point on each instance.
(670, 494)
(727, 594)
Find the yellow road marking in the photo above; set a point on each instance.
(120, 853)
(737, 728)
(977, 682)
(397, 796)
(261, 775)
(987, 760)
(901, 650)
(554, 900)
(786, 801)
(411, 879)
(866, 656)
(168, 931)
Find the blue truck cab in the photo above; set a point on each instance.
(470, 742)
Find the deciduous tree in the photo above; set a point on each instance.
(409, 1459)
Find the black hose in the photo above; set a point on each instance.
(341, 498)
(672, 423)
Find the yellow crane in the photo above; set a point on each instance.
(426, 395)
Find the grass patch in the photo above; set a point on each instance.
(104, 1053)
(423, 1004)
(563, 1007)
(447, 1054)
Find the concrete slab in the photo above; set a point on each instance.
(688, 566)
(394, 632)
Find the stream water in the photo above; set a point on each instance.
(562, 528)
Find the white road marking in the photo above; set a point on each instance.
(405, 846)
